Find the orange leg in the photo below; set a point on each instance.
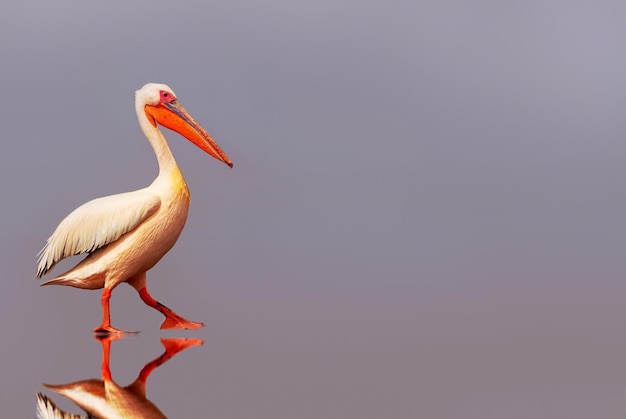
(105, 328)
(172, 320)
(106, 340)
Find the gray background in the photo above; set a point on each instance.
(425, 217)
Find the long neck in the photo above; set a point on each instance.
(164, 155)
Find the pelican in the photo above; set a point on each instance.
(125, 235)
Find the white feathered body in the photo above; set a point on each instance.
(125, 234)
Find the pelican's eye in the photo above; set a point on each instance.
(167, 96)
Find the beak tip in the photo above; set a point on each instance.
(230, 164)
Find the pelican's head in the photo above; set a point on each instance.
(161, 107)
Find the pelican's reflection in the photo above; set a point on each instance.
(104, 398)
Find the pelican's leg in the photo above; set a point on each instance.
(172, 320)
(105, 328)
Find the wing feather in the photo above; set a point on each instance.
(46, 409)
(96, 224)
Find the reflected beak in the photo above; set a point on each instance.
(173, 116)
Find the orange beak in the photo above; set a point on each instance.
(173, 116)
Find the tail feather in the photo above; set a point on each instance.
(92, 282)
(62, 280)
(53, 281)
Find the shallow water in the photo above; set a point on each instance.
(539, 354)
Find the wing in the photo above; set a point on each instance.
(96, 224)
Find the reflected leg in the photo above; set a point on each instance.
(106, 340)
(172, 347)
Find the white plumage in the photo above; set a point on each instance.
(96, 224)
